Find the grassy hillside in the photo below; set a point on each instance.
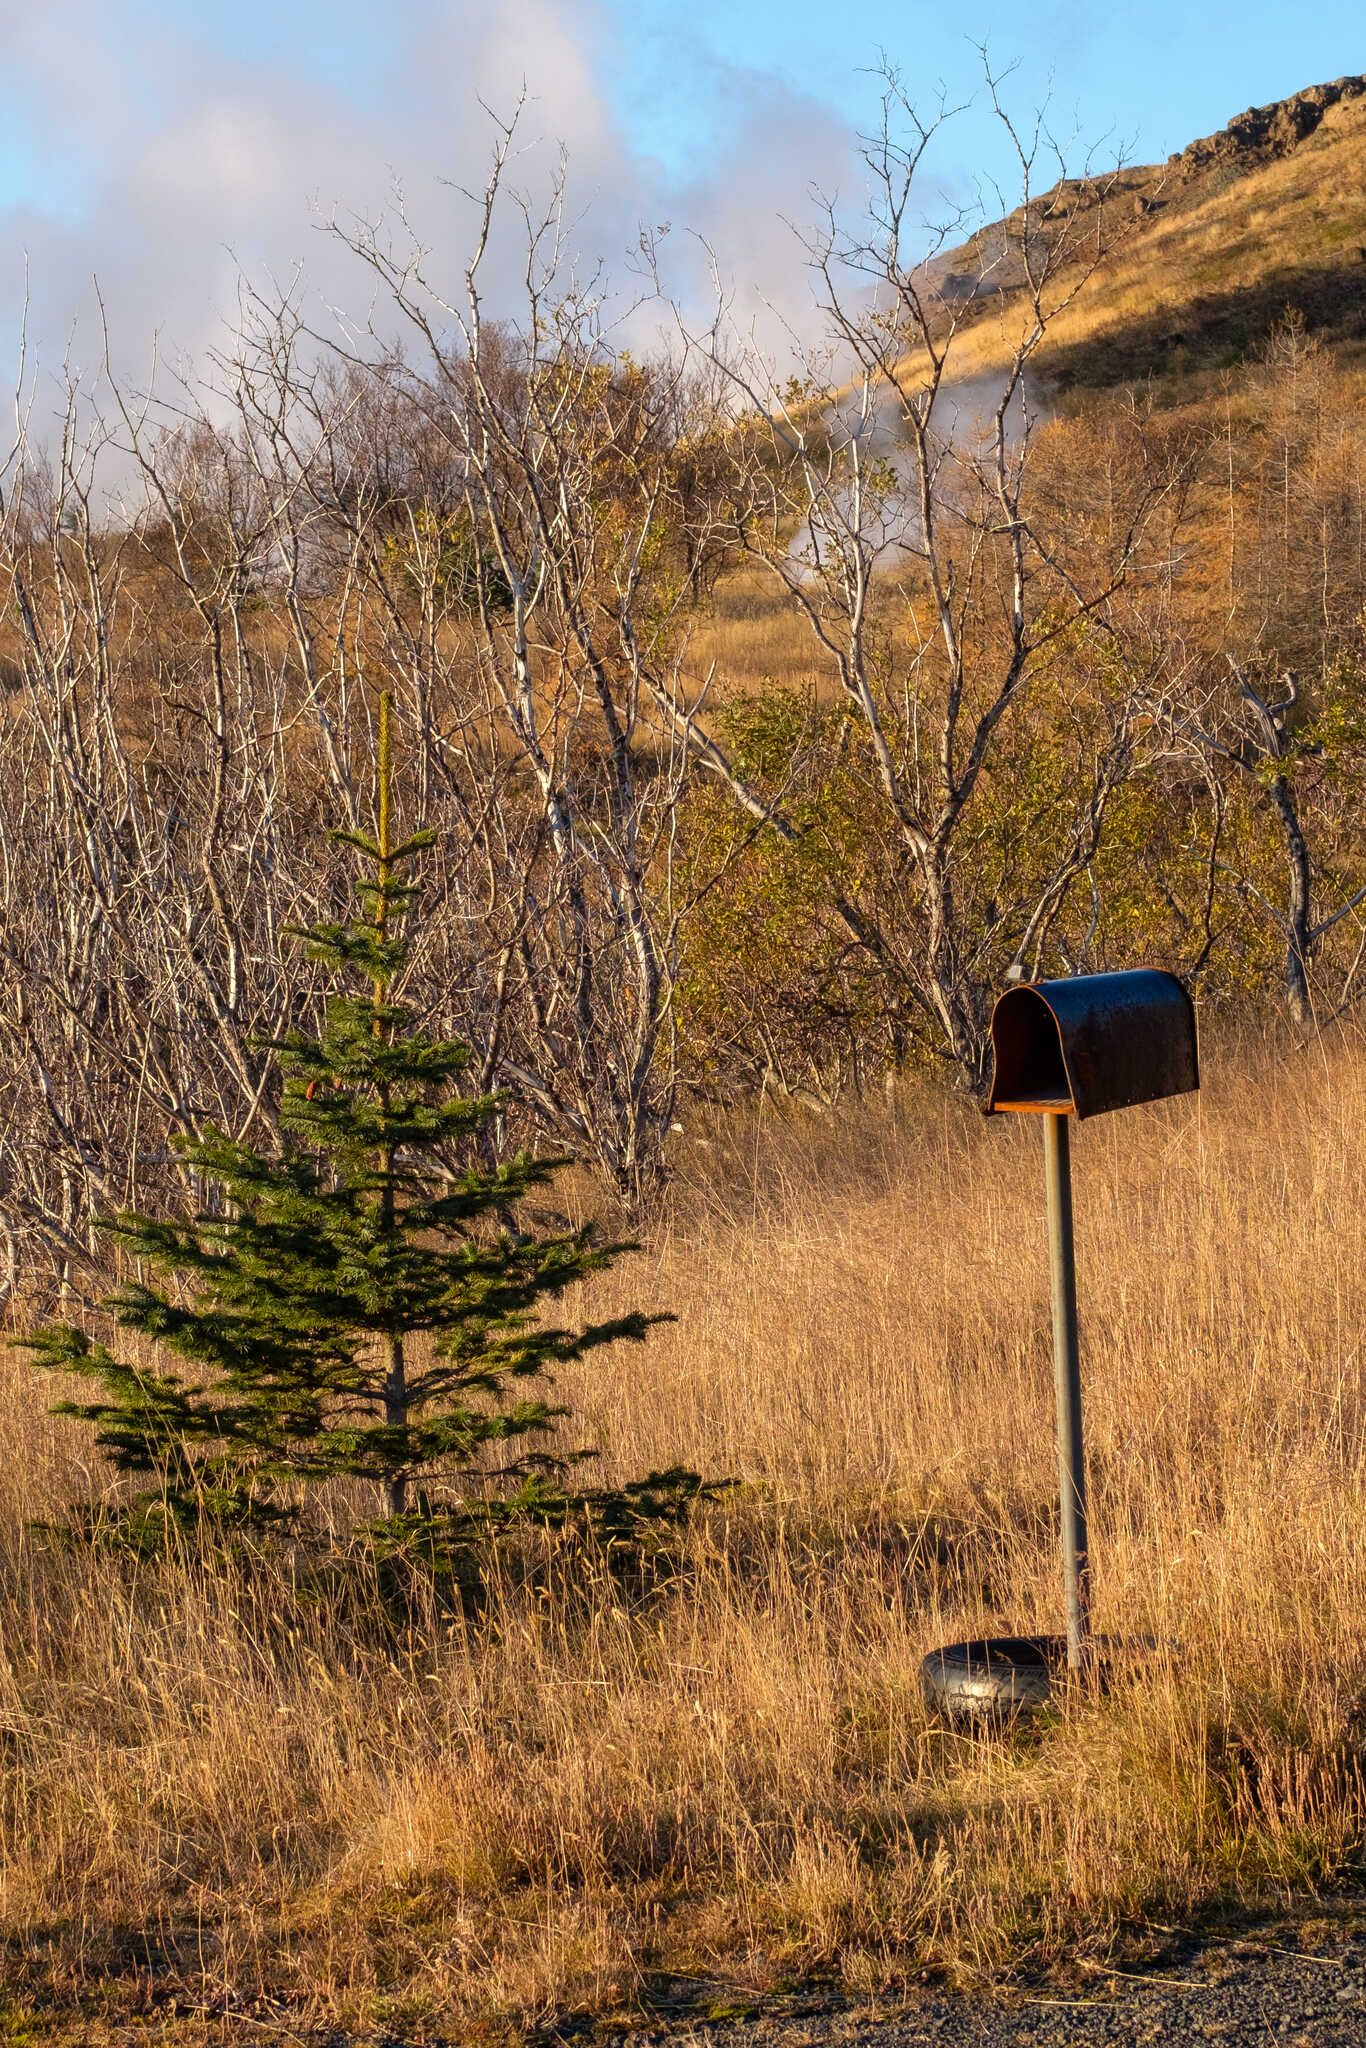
(1209, 250)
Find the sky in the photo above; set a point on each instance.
(167, 147)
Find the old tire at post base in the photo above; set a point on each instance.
(992, 1678)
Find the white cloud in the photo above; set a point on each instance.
(166, 159)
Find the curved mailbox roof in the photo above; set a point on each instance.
(1092, 1042)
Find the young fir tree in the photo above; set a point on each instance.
(296, 1295)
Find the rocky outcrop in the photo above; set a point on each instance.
(1263, 133)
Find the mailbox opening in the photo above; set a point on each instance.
(1030, 1072)
(1092, 1042)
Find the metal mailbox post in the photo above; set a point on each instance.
(1079, 1047)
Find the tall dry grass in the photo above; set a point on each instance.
(749, 634)
(220, 1797)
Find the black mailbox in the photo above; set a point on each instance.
(1092, 1042)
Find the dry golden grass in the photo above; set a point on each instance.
(751, 633)
(215, 1793)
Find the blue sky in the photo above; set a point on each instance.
(166, 146)
(1154, 75)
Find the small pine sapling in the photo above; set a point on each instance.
(353, 1306)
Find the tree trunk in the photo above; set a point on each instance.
(1299, 934)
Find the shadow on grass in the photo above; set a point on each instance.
(1215, 329)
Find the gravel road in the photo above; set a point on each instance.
(1296, 1986)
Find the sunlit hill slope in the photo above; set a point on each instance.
(1207, 251)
